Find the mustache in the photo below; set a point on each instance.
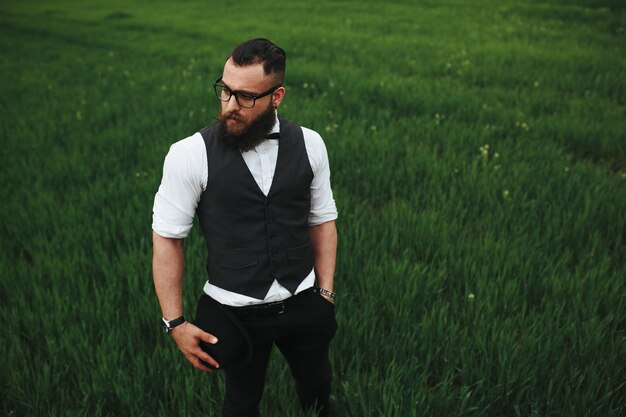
(251, 133)
(232, 115)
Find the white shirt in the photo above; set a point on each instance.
(185, 176)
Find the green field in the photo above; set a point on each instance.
(478, 156)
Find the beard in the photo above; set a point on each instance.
(253, 133)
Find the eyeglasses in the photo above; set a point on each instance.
(244, 99)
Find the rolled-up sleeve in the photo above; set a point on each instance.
(323, 208)
(182, 184)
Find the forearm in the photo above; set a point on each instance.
(167, 267)
(324, 243)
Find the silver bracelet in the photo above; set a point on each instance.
(326, 293)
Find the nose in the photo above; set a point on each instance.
(231, 105)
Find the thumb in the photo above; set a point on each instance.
(207, 337)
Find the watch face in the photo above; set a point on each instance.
(165, 326)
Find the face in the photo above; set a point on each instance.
(250, 79)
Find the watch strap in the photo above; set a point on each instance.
(328, 294)
(169, 325)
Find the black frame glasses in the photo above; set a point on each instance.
(243, 98)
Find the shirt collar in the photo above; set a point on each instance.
(276, 128)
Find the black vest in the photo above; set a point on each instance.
(253, 239)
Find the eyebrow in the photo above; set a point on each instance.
(239, 91)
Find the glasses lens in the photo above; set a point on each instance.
(221, 92)
(245, 100)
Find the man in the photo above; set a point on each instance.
(260, 186)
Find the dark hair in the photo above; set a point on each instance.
(261, 51)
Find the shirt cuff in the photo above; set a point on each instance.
(169, 231)
(316, 220)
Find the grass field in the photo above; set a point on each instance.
(478, 156)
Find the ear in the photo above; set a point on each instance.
(277, 96)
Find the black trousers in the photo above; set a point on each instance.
(302, 333)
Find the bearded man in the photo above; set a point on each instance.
(260, 186)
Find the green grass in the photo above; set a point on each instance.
(478, 155)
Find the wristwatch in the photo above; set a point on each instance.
(168, 325)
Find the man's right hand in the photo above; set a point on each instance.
(188, 338)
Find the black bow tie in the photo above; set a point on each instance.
(273, 136)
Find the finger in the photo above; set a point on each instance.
(202, 355)
(208, 338)
(204, 336)
(198, 352)
(196, 362)
(201, 366)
